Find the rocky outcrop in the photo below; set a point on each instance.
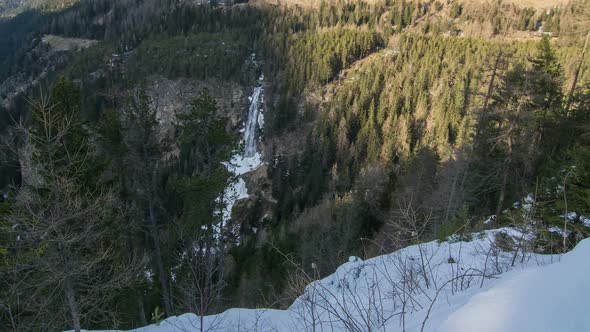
(171, 97)
(250, 215)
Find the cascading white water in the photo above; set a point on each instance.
(241, 163)
(252, 123)
(244, 161)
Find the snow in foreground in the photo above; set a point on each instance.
(546, 298)
(477, 290)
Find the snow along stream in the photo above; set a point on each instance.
(248, 159)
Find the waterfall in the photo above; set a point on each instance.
(244, 161)
(241, 163)
(252, 123)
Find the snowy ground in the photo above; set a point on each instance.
(237, 189)
(419, 288)
(547, 298)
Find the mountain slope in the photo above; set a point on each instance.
(12, 7)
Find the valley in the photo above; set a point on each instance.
(346, 165)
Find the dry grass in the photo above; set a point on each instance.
(67, 44)
(537, 4)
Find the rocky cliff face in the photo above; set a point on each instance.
(171, 97)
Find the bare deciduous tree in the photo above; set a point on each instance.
(64, 230)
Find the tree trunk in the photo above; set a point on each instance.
(570, 95)
(502, 193)
(153, 229)
(154, 234)
(451, 196)
(133, 249)
(506, 169)
(141, 311)
(488, 94)
(482, 114)
(72, 304)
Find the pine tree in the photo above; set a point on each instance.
(65, 234)
(205, 144)
(142, 166)
(548, 80)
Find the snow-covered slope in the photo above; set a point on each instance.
(547, 298)
(451, 286)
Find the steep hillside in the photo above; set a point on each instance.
(10, 8)
(479, 290)
(537, 4)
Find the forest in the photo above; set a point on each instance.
(461, 112)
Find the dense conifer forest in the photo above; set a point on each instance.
(461, 111)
